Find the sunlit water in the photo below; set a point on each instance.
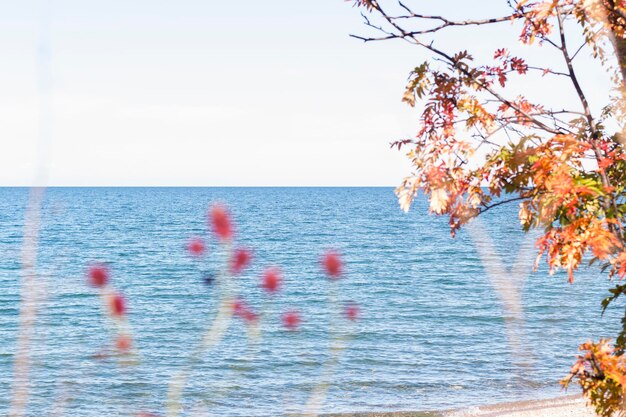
(432, 333)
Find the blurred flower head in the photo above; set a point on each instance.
(271, 280)
(239, 306)
(240, 260)
(220, 222)
(196, 246)
(291, 319)
(118, 305)
(250, 316)
(98, 275)
(331, 262)
(352, 311)
(123, 343)
(243, 311)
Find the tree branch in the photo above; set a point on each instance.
(499, 203)
(403, 34)
(595, 134)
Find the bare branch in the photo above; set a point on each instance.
(545, 70)
(499, 203)
(606, 203)
(403, 34)
(580, 48)
(572, 74)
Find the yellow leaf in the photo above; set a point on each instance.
(439, 201)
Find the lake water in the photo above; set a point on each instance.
(432, 333)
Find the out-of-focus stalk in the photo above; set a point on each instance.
(333, 267)
(211, 338)
(29, 294)
(30, 290)
(508, 285)
(337, 346)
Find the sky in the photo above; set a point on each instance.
(207, 93)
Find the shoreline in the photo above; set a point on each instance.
(562, 406)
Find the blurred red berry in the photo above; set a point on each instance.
(271, 280)
(352, 311)
(98, 275)
(118, 305)
(123, 343)
(196, 246)
(332, 264)
(291, 320)
(250, 316)
(238, 307)
(220, 222)
(243, 311)
(241, 259)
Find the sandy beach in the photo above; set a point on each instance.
(567, 406)
(570, 406)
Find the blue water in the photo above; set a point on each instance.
(432, 334)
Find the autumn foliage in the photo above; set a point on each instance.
(481, 144)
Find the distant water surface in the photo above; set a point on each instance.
(432, 333)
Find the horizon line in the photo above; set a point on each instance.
(196, 186)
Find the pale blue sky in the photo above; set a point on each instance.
(211, 92)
